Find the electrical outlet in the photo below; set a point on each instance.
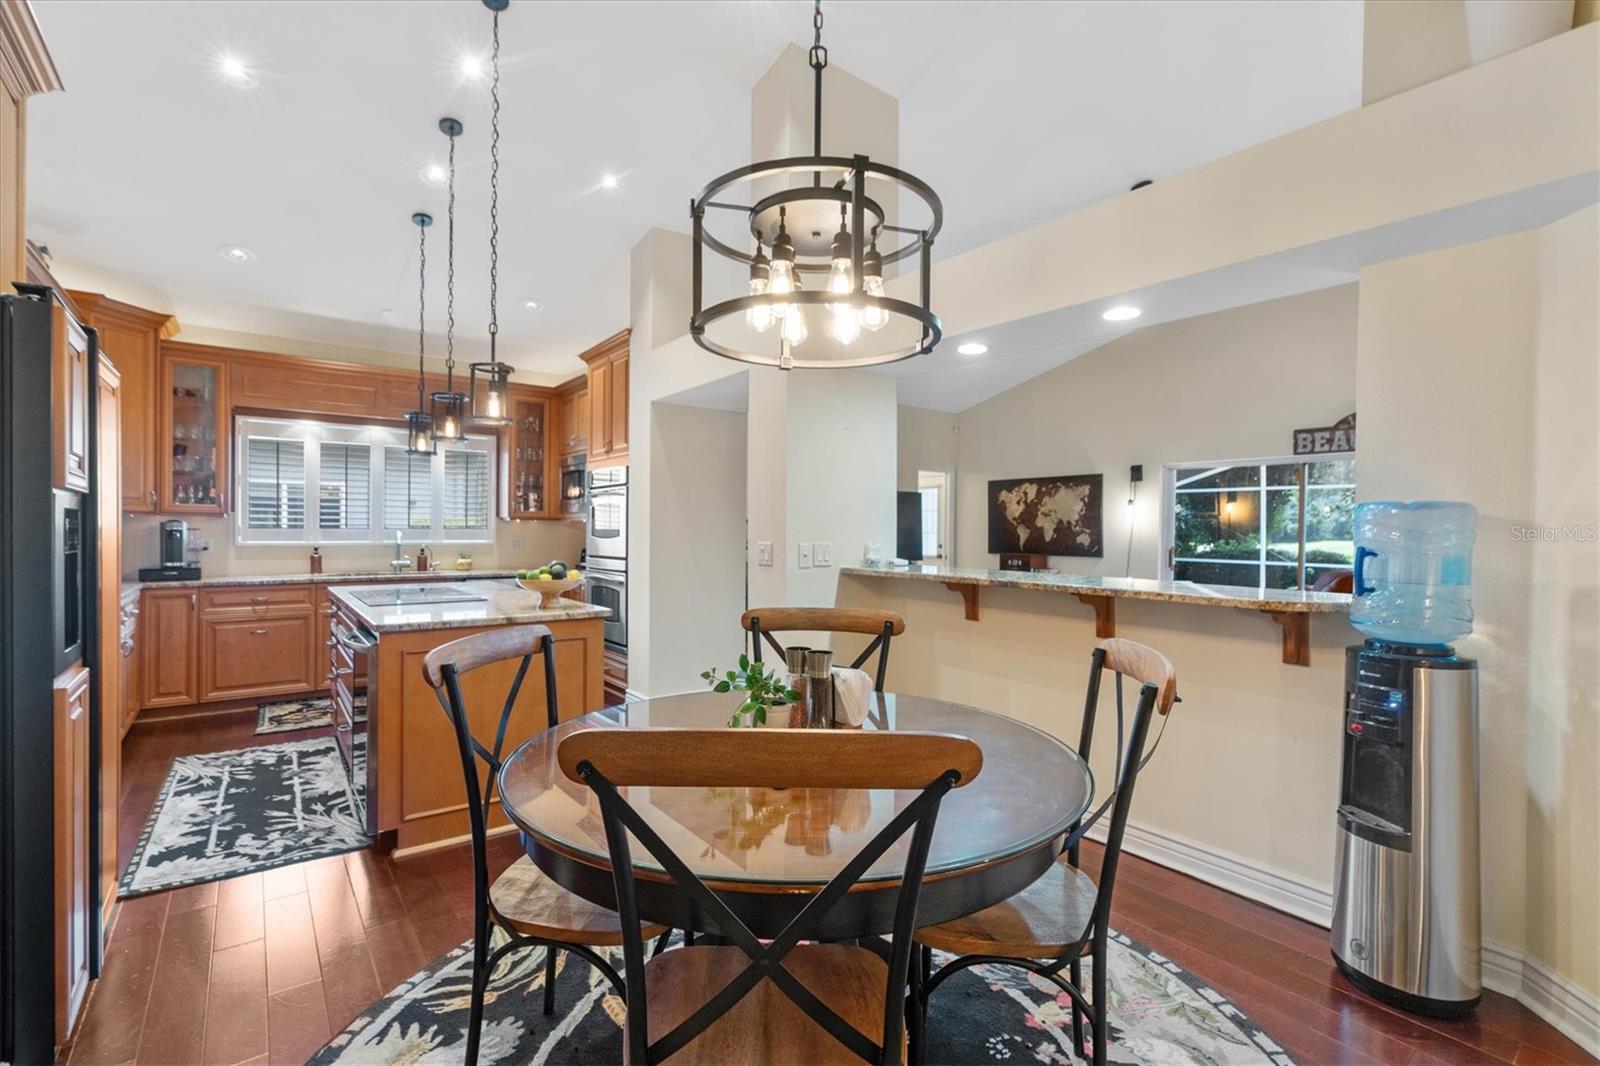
(822, 553)
(805, 555)
(763, 553)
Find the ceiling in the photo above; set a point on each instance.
(1015, 112)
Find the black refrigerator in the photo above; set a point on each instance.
(48, 607)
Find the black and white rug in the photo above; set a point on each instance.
(1159, 1013)
(233, 812)
(287, 716)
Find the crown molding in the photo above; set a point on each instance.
(26, 68)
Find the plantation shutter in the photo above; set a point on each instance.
(407, 490)
(275, 483)
(344, 499)
(466, 489)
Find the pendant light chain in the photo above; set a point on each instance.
(422, 313)
(450, 276)
(494, 194)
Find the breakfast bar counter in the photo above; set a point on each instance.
(1288, 608)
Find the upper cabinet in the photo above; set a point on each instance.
(130, 337)
(527, 461)
(573, 431)
(195, 424)
(608, 401)
(70, 375)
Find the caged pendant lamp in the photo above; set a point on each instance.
(830, 228)
(449, 406)
(487, 382)
(419, 423)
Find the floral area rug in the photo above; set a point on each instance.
(233, 812)
(1159, 1013)
(286, 716)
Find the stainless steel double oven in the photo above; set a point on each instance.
(606, 549)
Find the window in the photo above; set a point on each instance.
(362, 485)
(1244, 523)
(934, 487)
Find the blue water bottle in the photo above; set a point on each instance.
(1413, 571)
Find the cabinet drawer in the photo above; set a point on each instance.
(257, 597)
(256, 656)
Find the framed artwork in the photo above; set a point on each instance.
(1047, 515)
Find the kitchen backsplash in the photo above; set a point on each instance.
(517, 544)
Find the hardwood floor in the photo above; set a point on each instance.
(265, 968)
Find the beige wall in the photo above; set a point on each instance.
(1516, 436)
(926, 441)
(1229, 385)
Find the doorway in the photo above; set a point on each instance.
(938, 541)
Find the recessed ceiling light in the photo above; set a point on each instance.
(609, 181)
(235, 253)
(434, 174)
(532, 305)
(1122, 313)
(235, 69)
(471, 67)
(973, 348)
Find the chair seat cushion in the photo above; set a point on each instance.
(532, 904)
(766, 1025)
(1040, 922)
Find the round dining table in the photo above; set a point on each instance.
(766, 851)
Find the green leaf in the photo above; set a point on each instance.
(744, 662)
(722, 686)
(761, 715)
(791, 695)
(732, 675)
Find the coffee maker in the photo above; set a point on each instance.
(174, 555)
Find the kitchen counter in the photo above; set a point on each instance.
(128, 587)
(1290, 609)
(504, 603)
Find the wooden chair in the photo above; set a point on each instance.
(529, 907)
(775, 1001)
(1062, 917)
(762, 622)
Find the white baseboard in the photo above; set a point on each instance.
(1570, 1009)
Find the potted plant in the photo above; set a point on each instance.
(762, 689)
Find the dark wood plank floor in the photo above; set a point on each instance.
(267, 967)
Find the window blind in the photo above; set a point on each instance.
(466, 489)
(275, 483)
(344, 499)
(407, 490)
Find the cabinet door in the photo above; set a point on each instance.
(599, 410)
(617, 407)
(167, 630)
(194, 425)
(528, 453)
(580, 408)
(74, 885)
(133, 350)
(264, 656)
(69, 389)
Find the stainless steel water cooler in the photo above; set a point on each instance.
(1406, 919)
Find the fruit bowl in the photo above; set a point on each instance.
(549, 592)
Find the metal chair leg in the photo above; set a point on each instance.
(549, 979)
(480, 985)
(1098, 1020)
(1075, 968)
(916, 1009)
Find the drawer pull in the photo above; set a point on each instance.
(258, 632)
(331, 642)
(328, 609)
(258, 599)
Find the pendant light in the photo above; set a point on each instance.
(419, 423)
(449, 406)
(487, 389)
(850, 307)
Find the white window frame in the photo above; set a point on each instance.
(377, 437)
(1165, 557)
(944, 484)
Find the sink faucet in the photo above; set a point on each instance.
(399, 562)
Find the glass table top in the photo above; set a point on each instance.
(1031, 788)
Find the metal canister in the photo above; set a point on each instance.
(819, 689)
(795, 667)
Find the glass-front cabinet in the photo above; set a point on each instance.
(194, 478)
(527, 460)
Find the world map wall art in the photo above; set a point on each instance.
(1046, 515)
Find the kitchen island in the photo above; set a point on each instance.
(380, 634)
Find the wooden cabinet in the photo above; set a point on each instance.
(70, 377)
(195, 422)
(109, 660)
(74, 880)
(608, 401)
(615, 670)
(528, 481)
(258, 640)
(130, 337)
(129, 698)
(168, 629)
(573, 432)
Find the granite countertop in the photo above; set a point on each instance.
(1292, 601)
(129, 587)
(504, 603)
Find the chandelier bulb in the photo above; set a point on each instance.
(759, 317)
(794, 325)
(872, 317)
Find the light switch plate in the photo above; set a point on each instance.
(763, 553)
(822, 553)
(805, 555)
